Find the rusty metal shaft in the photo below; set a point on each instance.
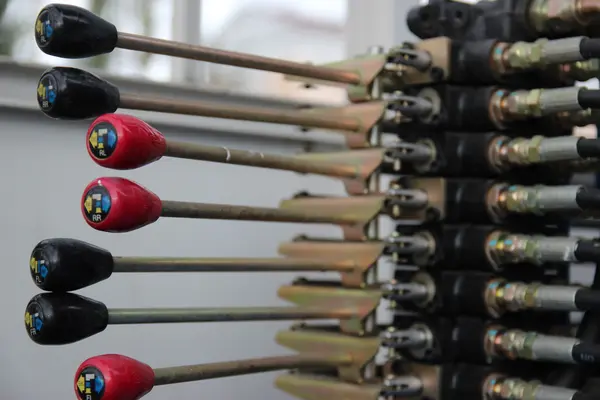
(225, 155)
(245, 113)
(189, 373)
(207, 54)
(155, 264)
(121, 316)
(180, 209)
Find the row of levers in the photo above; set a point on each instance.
(472, 124)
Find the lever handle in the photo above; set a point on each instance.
(62, 265)
(119, 205)
(71, 93)
(113, 377)
(124, 142)
(68, 31)
(63, 318)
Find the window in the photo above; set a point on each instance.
(148, 17)
(300, 30)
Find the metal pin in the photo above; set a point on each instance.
(246, 113)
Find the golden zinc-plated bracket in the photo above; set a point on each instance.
(360, 304)
(360, 350)
(356, 258)
(394, 75)
(316, 387)
(363, 116)
(365, 163)
(361, 210)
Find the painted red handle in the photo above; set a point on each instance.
(113, 377)
(120, 141)
(119, 205)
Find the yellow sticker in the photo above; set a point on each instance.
(81, 383)
(41, 90)
(94, 139)
(88, 204)
(33, 264)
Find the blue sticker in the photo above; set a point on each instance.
(44, 271)
(38, 324)
(105, 204)
(98, 384)
(112, 138)
(49, 30)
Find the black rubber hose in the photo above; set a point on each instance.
(588, 148)
(588, 251)
(587, 299)
(584, 396)
(589, 98)
(589, 48)
(574, 376)
(586, 353)
(588, 199)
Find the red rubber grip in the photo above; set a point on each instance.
(113, 377)
(119, 205)
(120, 141)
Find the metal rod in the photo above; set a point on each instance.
(258, 159)
(246, 113)
(238, 112)
(207, 54)
(188, 373)
(154, 264)
(121, 316)
(408, 245)
(180, 209)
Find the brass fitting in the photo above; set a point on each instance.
(498, 387)
(561, 16)
(511, 344)
(523, 55)
(537, 200)
(506, 248)
(535, 103)
(501, 296)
